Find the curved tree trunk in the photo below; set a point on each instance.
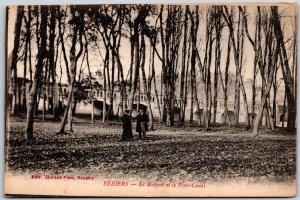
(37, 74)
(14, 59)
(76, 35)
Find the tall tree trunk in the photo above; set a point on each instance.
(238, 46)
(182, 74)
(208, 85)
(154, 81)
(52, 63)
(42, 54)
(194, 31)
(284, 108)
(135, 70)
(146, 91)
(90, 78)
(112, 82)
(224, 84)
(163, 73)
(68, 106)
(14, 59)
(192, 91)
(287, 75)
(217, 61)
(275, 88)
(26, 57)
(241, 53)
(70, 113)
(270, 75)
(106, 64)
(253, 93)
(186, 80)
(77, 33)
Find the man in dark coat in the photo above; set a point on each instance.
(142, 124)
(127, 127)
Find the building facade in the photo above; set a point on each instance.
(84, 106)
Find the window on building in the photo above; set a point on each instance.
(153, 99)
(115, 95)
(101, 94)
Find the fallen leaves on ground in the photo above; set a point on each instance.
(176, 154)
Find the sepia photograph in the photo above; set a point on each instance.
(151, 100)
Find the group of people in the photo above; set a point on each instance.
(142, 120)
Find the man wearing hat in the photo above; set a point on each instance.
(127, 127)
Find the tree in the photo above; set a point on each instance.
(14, 57)
(267, 66)
(77, 33)
(183, 73)
(146, 87)
(285, 68)
(225, 82)
(138, 23)
(153, 41)
(170, 41)
(238, 48)
(27, 54)
(204, 69)
(217, 13)
(37, 80)
(52, 62)
(194, 17)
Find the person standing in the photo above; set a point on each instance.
(127, 127)
(142, 124)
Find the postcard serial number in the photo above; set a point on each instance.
(59, 177)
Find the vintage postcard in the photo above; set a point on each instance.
(151, 100)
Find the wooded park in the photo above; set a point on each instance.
(208, 76)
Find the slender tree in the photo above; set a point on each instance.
(77, 33)
(37, 80)
(286, 70)
(14, 57)
(268, 66)
(238, 48)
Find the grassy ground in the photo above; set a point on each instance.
(185, 153)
